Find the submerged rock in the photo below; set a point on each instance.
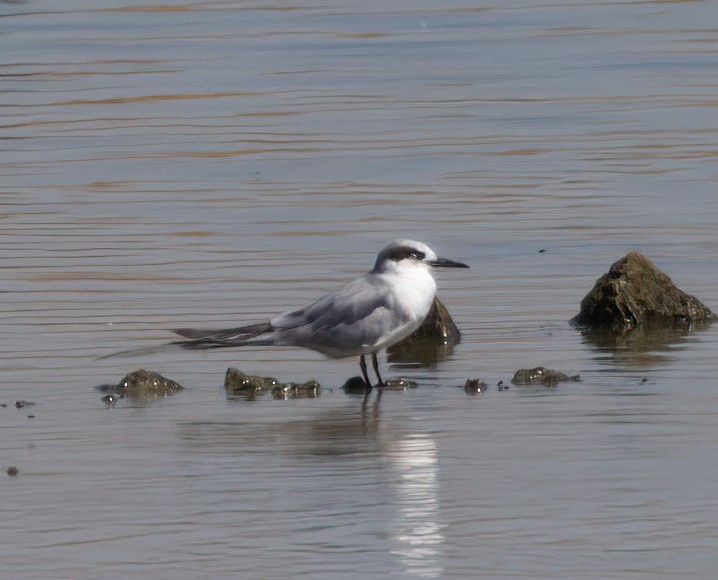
(307, 390)
(475, 386)
(239, 384)
(111, 398)
(635, 292)
(432, 342)
(357, 386)
(541, 376)
(140, 384)
(399, 384)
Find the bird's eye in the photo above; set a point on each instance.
(404, 253)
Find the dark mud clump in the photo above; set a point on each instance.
(542, 376)
(238, 384)
(634, 293)
(356, 386)
(140, 384)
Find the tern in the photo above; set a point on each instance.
(366, 315)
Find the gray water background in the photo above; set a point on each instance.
(200, 163)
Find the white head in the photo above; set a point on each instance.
(407, 255)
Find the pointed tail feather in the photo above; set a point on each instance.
(208, 344)
(141, 351)
(227, 337)
(207, 339)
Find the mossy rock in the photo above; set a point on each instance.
(635, 292)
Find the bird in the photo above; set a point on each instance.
(366, 315)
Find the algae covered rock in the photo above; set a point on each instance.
(399, 384)
(635, 292)
(308, 390)
(238, 383)
(357, 386)
(242, 385)
(541, 376)
(140, 384)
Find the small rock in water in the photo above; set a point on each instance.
(140, 384)
(310, 390)
(240, 384)
(356, 386)
(474, 386)
(541, 376)
(111, 398)
(399, 384)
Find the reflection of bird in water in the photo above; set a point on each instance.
(416, 533)
(368, 314)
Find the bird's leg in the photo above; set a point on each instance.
(362, 364)
(375, 364)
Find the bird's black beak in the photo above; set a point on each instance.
(444, 263)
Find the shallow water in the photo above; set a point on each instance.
(214, 163)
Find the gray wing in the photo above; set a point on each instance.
(349, 321)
